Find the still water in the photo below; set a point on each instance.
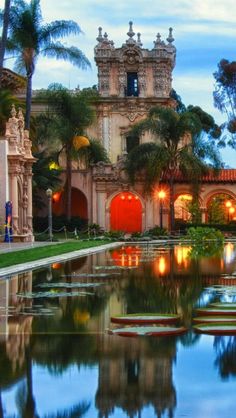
(58, 360)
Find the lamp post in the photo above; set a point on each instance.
(49, 196)
(161, 195)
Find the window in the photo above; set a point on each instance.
(132, 84)
(131, 142)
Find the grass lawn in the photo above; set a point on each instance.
(32, 254)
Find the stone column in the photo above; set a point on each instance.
(4, 183)
(101, 205)
(29, 203)
(14, 199)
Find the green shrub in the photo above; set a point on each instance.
(206, 241)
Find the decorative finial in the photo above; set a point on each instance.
(106, 36)
(100, 37)
(139, 39)
(131, 32)
(170, 38)
(13, 111)
(158, 42)
(21, 117)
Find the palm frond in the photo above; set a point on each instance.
(72, 54)
(58, 29)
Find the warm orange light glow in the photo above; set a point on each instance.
(229, 252)
(186, 197)
(162, 265)
(161, 194)
(122, 197)
(56, 197)
(231, 210)
(228, 203)
(181, 254)
(129, 197)
(56, 266)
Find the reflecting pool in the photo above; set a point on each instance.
(58, 360)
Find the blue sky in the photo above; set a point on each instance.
(204, 32)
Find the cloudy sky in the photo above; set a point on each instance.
(204, 32)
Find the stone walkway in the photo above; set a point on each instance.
(6, 247)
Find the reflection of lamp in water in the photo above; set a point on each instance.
(181, 254)
(228, 252)
(162, 265)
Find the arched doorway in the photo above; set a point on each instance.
(221, 208)
(182, 207)
(126, 213)
(79, 204)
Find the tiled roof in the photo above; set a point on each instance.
(227, 175)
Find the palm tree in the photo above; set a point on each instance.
(29, 38)
(68, 116)
(178, 145)
(5, 18)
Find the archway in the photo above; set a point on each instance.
(79, 206)
(126, 213)
(221, 208)
(182, 207)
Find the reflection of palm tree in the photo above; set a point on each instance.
(226, 355)
(76, 411)
(1, 408)
(25, 397)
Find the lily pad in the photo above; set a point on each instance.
(157, 318)
(214, 319)
(226, 328)
(216, 311)
(223, 305)
(158, 331)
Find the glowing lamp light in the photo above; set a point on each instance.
(228, 204)
(54, 166)
(122, 197)
(56, 197)
(231, 210)
(80, 142)
(129, 197)
(161, 194)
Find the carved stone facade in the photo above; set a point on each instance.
(131, 80)
(16, 176)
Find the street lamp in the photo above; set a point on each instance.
(161, 195)
(49, 196)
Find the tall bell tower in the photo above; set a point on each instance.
(131, 80)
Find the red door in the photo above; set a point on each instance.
(126, 213)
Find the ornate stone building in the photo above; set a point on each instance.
(16, 176)
(131, 80)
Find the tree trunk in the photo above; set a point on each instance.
(68, 184)
(172, 207)
(28, 100)
(4, 34)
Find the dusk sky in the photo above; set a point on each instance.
(204, 32)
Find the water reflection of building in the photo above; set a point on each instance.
(133, 376)
(15, 327)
